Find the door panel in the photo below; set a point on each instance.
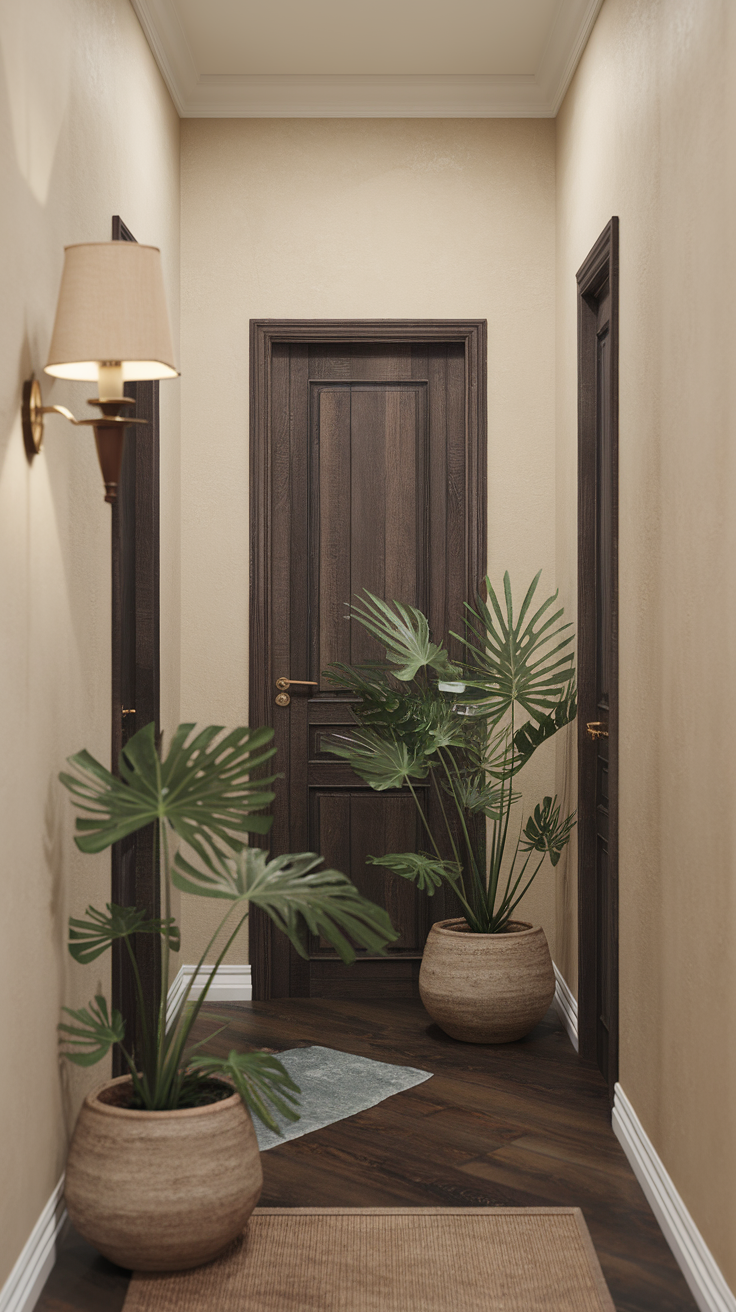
(368, 508)
(365, 474)
(598, 655)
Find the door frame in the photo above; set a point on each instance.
(264, 333)
(600, 266)
(135, 684)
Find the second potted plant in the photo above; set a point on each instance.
(469, 730)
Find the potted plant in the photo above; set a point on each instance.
(163, 1167)
(469, 730)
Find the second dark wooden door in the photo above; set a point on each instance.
(598, 655)
(370, 484)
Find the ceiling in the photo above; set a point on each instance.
(367, 58)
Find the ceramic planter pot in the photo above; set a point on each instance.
(161, 1191)
(486, 988)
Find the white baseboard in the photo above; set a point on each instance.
(22, 1289)
(699, 1267)
(231, 984)
(566, 1005)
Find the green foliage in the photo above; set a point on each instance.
(468, 747)
(425, 871)
(89, 938)
(404, 632)
(259, 1079)
(532, 734)
(511, 664)
(544, 832)
(383, 761)
(299, 898)
(209, 790)
(94, 1033)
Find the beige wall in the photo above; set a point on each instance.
(647, 132)
(356, 219)
(87, 130)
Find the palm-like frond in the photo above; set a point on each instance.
(93, 1035)
(404, 632)
(259, 1079)
(532, 734)
(298, 897)
(518, 662)
(207, 788)
(482, 796)
(90, 937)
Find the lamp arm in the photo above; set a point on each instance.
(109, 430)
(60, 410)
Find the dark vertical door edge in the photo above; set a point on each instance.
(135, 674)
(598, 324)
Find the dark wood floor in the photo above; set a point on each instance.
(520, 1125)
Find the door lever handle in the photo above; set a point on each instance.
(597, 729)
(284, 684)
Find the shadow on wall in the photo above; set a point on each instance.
(36, 46)
(53, 851)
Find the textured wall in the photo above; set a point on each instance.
(646, 132)
(356, 219)
(87, 130)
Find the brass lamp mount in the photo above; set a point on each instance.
(109, 430)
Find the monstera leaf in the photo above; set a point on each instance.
(207, 788)
(260, 1079)
(382, 762)
(297, 895)
(544, 832)
(425, 871)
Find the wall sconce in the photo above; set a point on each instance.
(111, 327)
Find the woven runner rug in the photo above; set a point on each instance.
(495, 1259)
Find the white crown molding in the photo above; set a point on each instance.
(231, 984)
(566, 1005)
(198, 95)
(698, 1265)
(22, 1289)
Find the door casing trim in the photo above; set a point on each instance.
(601, 265)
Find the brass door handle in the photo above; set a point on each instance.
(597, 729)
(283, 683)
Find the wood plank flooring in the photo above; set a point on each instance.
(520, 1125)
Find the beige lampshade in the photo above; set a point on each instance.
(112, 308)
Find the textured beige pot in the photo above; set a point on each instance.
(486, 988)
(161, 1191)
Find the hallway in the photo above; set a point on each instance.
(521, 1125)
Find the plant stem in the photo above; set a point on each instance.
(420, 809)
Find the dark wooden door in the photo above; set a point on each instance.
(368, 471)
(598, 654)
(135, 675)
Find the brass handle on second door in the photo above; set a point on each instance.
(597, 729)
